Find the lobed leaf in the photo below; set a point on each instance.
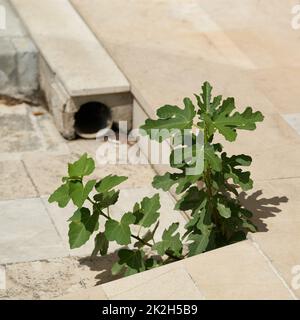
(170, 241)
(170, 119)
(61, 196)
(120, 231)
(148, 212)
(79, 193)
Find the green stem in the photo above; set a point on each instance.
(208, 184)
(132, 235)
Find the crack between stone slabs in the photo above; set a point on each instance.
(42, 201)
(273, 179)
(272, 267)
(30, 178)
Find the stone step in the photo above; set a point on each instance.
(70, 48)
(217, 274)
(74, 67)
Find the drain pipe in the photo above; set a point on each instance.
(91, 118)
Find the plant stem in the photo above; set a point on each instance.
(208, 184)
(132, 235)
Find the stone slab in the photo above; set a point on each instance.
(27, 233)
(236, 272)
(96, 293)
(191, 49)
(293, 120)
(14, 27)
(28, 130)
(74, 55)
(47, 171)
(281, 162)
(145, 288)
(15, 182)
(281, 242)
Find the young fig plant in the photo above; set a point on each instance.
(207, 182)
(93, 200)
(211, 194)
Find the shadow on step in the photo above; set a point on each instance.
(262, 208)
(103, 266)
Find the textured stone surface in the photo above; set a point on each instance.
(96, 293)
(293, 120)
(46, 172)
(236, 272)
(28, 130)
(14, 27)
(15, 182)
(18, 58)
(183, 288)
(214, 275)
(27, 233)
(282, 243)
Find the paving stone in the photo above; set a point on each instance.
(236, 272)
(47, 171)
(145, 288)
(14, 26)
(15, 183)
(18, 132)
(27, 233)
(281, 242)
(26, 130)
(96, 293)
(139, 175)
(40, 280)
(217, 274)
(284, 94)
(140, 279)
(278, 163)
(176, 64)
(293, 120)
(271, 134)
(60, 218)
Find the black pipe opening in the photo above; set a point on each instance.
(91, 118)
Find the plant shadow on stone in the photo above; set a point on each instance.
(209, 196)
(102, 265)
(262, 208)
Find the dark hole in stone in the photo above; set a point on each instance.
(91, 118)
